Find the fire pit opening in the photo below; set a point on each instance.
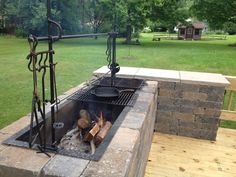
(84, 124)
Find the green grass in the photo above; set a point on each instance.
(78, 58)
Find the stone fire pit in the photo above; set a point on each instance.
(174, 102)
(126, 155)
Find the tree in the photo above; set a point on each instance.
(216, 12)
(169, 12)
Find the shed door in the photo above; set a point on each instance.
(189, 33)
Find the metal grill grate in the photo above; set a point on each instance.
(125, 98)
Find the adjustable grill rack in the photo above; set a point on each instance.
(125, 98)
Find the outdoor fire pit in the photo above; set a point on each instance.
(123, 151)
(83, 121)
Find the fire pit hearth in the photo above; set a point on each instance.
(123, 152)
(83, 125)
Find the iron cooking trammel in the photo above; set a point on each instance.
(80, 125)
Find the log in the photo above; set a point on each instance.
(101, 120)
(84, 120)
(92, 133)
(102, 133)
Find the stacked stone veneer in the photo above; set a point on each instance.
(189, 109)
(125, 156)
(188, 103)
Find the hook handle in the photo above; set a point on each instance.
(58, 27)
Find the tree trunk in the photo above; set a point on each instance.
(128, 28)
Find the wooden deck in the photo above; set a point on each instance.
(175, 156)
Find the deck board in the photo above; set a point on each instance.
(176, 156)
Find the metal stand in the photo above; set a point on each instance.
(40, 62)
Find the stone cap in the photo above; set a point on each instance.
(201, 78)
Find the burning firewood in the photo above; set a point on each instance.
(84, 120)
(92, 133)
(101, 120)
(102, 133)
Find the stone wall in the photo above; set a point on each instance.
(189, 109)
(188, 104)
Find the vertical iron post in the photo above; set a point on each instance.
(51, 63)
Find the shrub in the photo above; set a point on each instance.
(230, 28)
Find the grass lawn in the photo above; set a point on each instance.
(78, 58)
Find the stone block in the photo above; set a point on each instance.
(151, 87)
(21, 162)
(207, 112)
(199, 78)
(185, 131)
(167, 85)
(162, 100)
(16, 126)
(115, 162)
(206, 126)
(185, 102)
(211, 89)
(188, 95)
(168, 108)
(125, 139)
(158, 74)
(64, 166)
(186, 109)
(119, 156)
(164, 115)
(170, 93)
(206, 119)
(186, 124)
(3, 137)
(134, 120)
(183, 117)
(189, 87)
(205, 134)
(210, 104)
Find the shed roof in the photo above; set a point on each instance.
(196, 25)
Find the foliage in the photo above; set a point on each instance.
(168, 12)
(216, 12)
(25, 16)
(230, 28)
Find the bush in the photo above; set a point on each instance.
(230, 28)
(19, 32)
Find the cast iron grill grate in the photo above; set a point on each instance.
(125, 98)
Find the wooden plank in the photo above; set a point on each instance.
(228, 115)
(188, 157)
(232, 80)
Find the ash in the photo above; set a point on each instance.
(72, 140)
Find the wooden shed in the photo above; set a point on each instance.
(192, 31)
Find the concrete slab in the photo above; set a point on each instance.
(203, 78)
(158, 74)
(21, 162)
(63, 166)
